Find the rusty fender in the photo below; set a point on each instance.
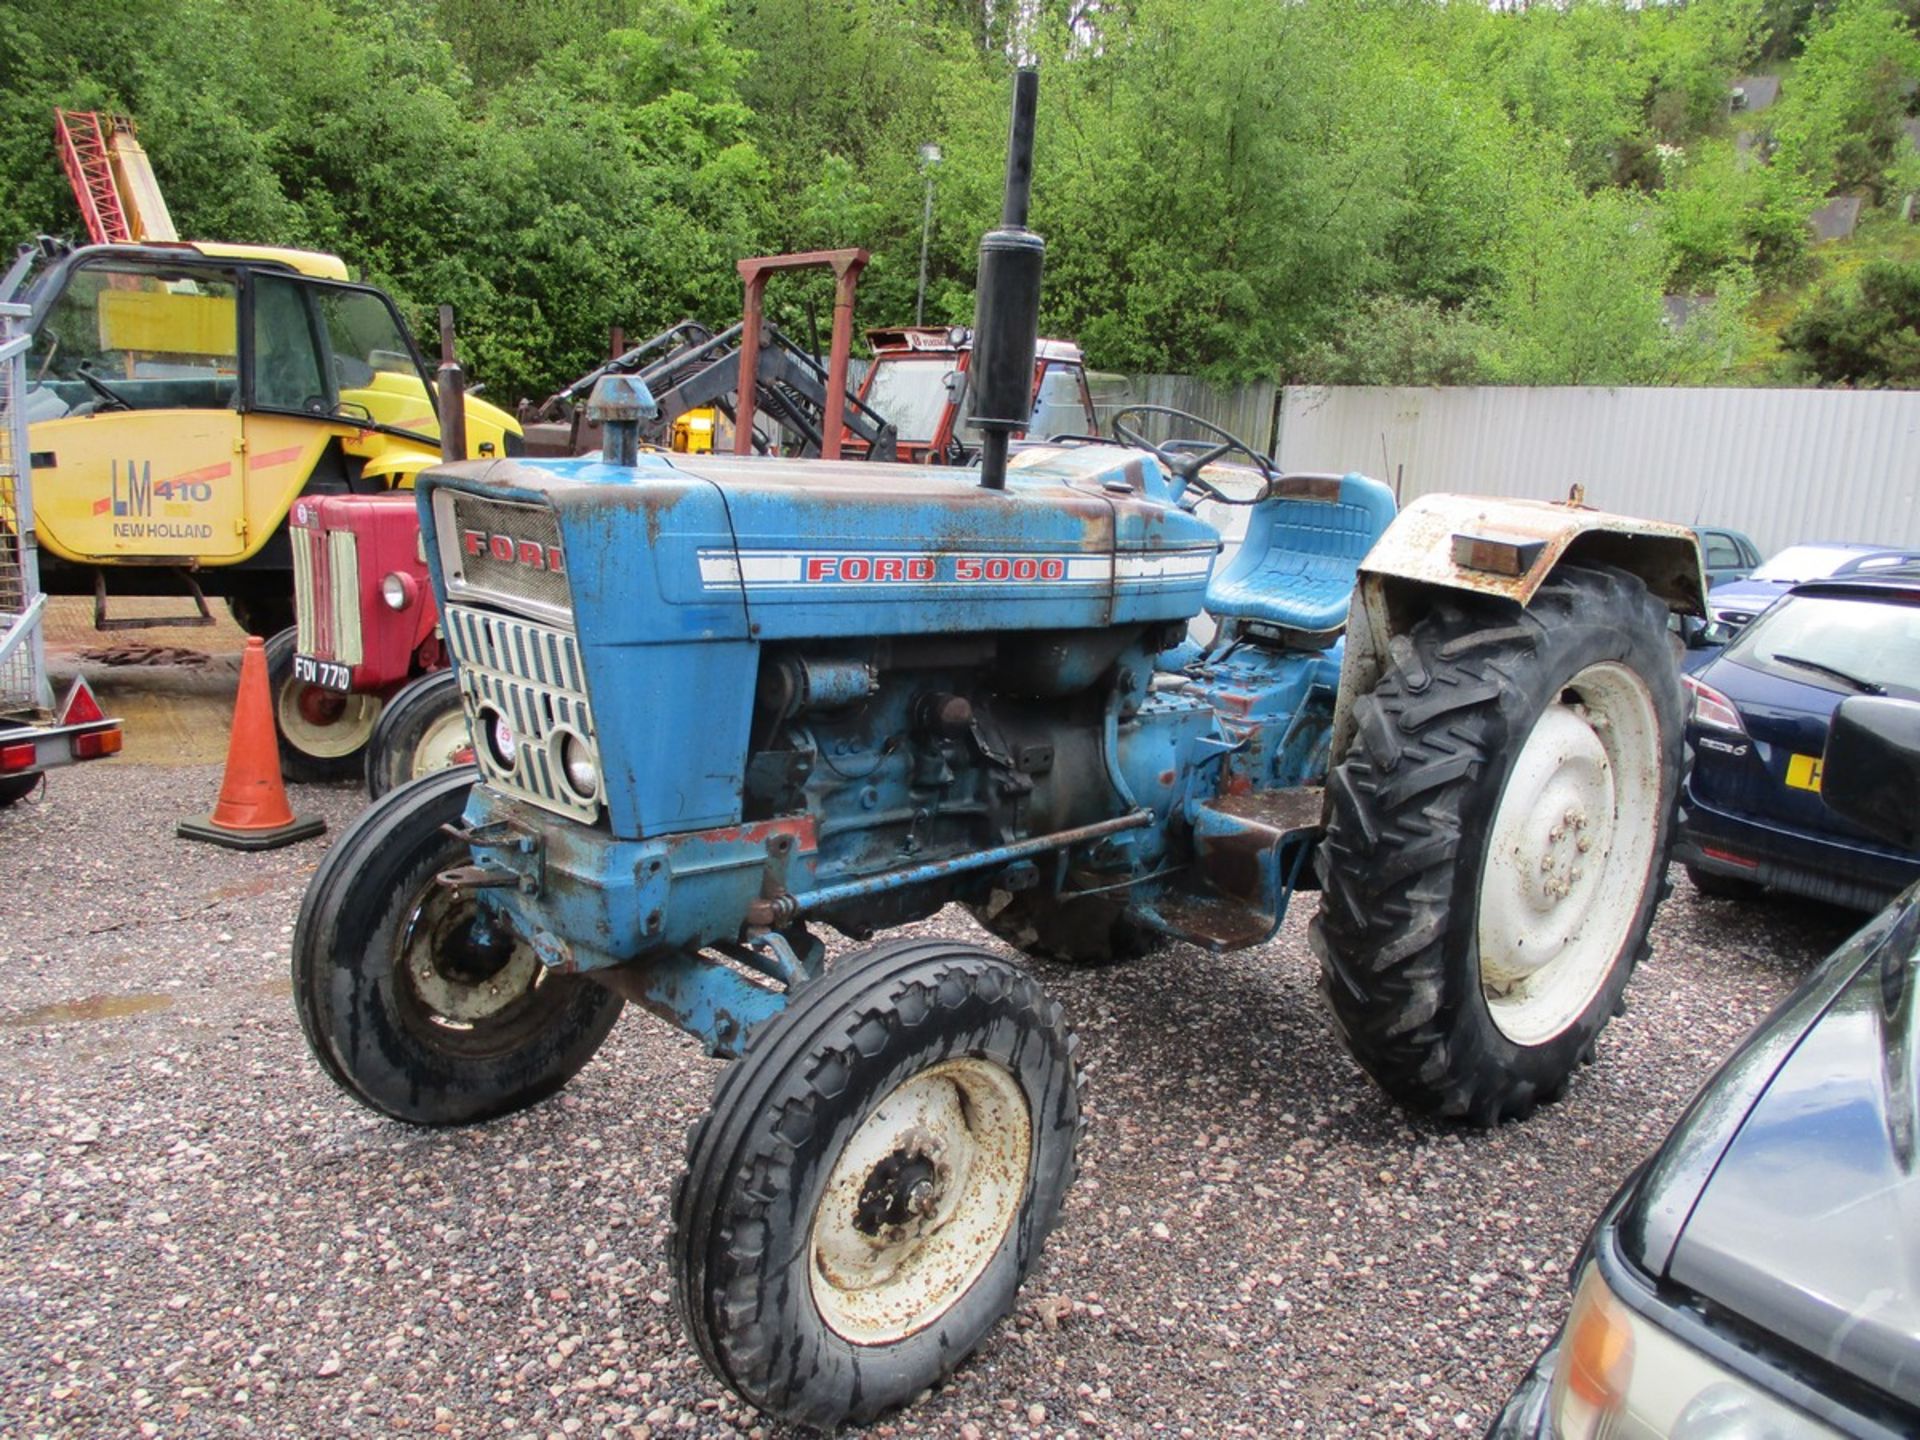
(1487, 546)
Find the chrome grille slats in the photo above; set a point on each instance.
(531, 674)
(326, 595)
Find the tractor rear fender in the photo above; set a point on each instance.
(1478, 546)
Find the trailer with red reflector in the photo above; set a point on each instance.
(79, 730)
(35, 735)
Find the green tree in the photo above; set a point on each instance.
(1840, 117)
(1866, 333)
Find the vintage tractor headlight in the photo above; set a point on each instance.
(579, 764)
(496, 732)
(398, 590)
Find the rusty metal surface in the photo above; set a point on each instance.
(1419, 546)
(1308, 487)
(1296, 808)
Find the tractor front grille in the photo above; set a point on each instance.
(326, 594)
(505, 552)
(528, 676)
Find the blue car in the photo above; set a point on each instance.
(1752, 817)
(1726, 555)
(1735, 602)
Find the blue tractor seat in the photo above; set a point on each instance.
(1294, 572)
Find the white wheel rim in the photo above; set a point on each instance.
(443, 740)
(451, 999)
(1570, 854)
(920, 1200)
(328, 740)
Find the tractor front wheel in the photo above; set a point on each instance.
(1497, 843)
(421, 730)
(321, 732)
(409, 1005)
(876, 1177)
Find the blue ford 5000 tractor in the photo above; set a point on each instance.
(718, 703)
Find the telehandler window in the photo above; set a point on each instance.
(373, 365)
(137, 338)
(286, 364)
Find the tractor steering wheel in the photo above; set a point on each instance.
(1185, 459)
(100, 387)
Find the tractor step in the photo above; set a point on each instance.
(1239, 838)
(1252, 851)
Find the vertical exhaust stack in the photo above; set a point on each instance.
(451, 387)
(1006, 316)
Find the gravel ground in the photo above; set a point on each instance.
(200, 1236)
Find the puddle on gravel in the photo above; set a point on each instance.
(89, 1007)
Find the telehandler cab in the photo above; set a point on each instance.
(720, 701)
(182, 394)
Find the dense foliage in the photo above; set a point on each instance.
(1354, 190)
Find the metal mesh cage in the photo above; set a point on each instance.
(23, 686)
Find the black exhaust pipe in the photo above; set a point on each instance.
(1006, 314)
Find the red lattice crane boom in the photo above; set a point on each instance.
(113, 183)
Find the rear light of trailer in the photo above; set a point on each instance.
(96, 744)
(1711, 708)
(80, 707)
(17, 757)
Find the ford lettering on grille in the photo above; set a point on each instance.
(503, 552)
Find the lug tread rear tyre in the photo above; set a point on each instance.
(744, 1207)
(1409, 808)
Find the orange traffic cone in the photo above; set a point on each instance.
(252, 813)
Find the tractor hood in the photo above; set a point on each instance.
(687, 547)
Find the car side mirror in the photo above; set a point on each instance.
(1699, 634)
(1871, 773)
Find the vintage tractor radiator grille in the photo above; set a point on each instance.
(326, 594)
(505, 552)
(527, 676)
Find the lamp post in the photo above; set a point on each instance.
(929, 158)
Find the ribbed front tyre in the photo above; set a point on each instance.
(409, 1006)
(874, 1180)
(1497, 842)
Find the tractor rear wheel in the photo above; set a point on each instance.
(409, 1007)
(321, 732)
(1497, 843)
(875, 1179)
(421, 730)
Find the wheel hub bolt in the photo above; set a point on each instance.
(921, 1197)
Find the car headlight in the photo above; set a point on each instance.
(399, 590)
(1623, 1373)
(1596, 1362)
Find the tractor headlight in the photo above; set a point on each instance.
(496, 732)
(579, 764)
(398, 590)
